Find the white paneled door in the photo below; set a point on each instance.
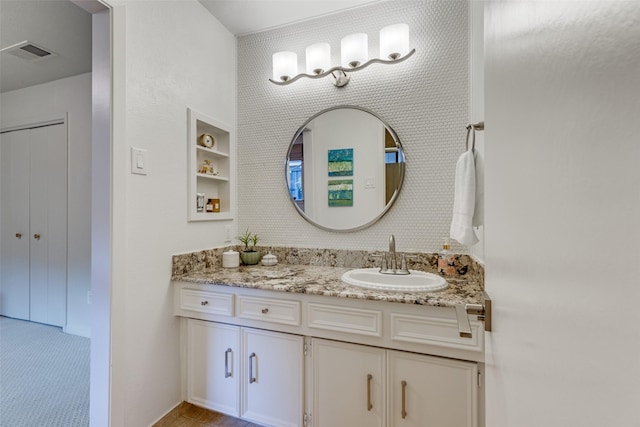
(33, 224)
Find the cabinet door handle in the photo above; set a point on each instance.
(369, 405)
(204, 302)
(252, 379)
(36, 236)
(265, 310)
(227, 373)
(19, 235)
(404, 400)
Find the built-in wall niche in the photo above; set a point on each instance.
(211, 146)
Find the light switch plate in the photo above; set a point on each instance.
(139, 164)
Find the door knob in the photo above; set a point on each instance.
(19, 235)
(36, 236)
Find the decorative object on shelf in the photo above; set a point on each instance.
(269, 259)
(249, 255)
(394, 48)
(206, 140)
(214, 205)
(200, 202)
(210, 205)
(207, 168)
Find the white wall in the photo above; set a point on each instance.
(562, 210)
(51, 101)
(476, 110)
(175, 55)
(424, 99)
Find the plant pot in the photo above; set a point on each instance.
(250, 257)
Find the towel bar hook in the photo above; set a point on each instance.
(471, 129)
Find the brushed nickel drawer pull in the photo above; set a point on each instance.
(369, 405)
(252, 379)
(404, 401)
(227, 373)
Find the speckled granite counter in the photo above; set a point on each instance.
(204, 268)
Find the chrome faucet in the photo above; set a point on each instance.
(391, 266)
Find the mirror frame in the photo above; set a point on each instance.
(395, 193)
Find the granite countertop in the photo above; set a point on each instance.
(326, 280)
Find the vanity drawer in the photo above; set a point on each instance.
(435, 331)
(206, 302)
(269, 310)
(344, 319)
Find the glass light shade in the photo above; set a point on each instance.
(394, 41)
(285, 66)
(318, 58)
(354, 50)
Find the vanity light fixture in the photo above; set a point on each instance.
(354, 55)
(285, 65)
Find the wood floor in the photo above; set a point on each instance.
(188, 415)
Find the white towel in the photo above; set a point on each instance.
(478, 211)
(464, 200)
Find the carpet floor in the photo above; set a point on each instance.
(44, 376)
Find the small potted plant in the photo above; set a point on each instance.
(249, 254)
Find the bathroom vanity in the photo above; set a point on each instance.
(292, 345)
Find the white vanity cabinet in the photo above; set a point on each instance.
(213, 366)
(245, 372)
(272, 384)
(369, 362)
(431, 391)
(362, 385)
(348, 384)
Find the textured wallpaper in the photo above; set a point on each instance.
(424, 99)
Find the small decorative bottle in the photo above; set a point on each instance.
(446, 261)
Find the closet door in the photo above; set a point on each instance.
(14, 193)
(33, 282)
(48, 217)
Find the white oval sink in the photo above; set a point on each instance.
(417, 281)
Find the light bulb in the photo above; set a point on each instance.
(394, 41)
(318, 58)
(354, 50)
(285, 65)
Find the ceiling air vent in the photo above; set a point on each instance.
(29, 51)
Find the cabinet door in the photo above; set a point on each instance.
(213, 368)
(348, 384)
(272, 383)
(14, 178)
(431, 391)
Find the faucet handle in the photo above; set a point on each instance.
(403, 263)
(384, 259)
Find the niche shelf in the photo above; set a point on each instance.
(221, 156)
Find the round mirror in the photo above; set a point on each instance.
(344, 169)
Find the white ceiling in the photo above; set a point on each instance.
(59, 26)
(250, 16)
(65, 28)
